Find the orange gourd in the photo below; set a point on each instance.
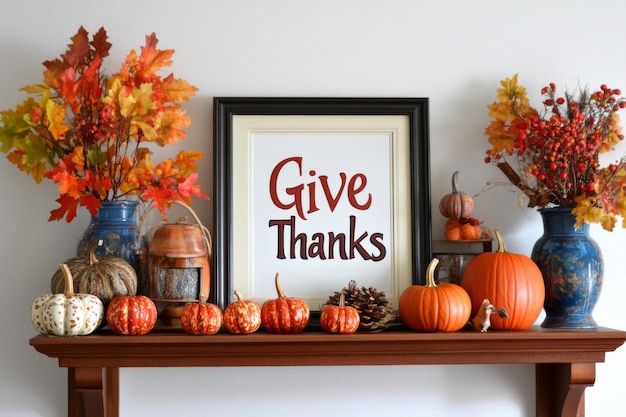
(456, 205)
(509, 280)
(445, 307)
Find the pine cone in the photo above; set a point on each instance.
(350, 294)
(375, 311)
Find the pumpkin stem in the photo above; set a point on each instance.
(430, 273)
(92, 252)
(69, 281)
(238, 295)
(501, 246)
(455, 183)
(279, 290)
(342, 300)
(202, 299)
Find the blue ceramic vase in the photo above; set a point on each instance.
(572, 267)
(116, 224)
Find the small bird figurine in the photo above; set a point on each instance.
(482, 321)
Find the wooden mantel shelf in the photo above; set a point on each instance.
(564, 359)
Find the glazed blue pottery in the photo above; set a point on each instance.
(572, 267)
(116, 224)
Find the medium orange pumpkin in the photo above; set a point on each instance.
(284, 314)
(509, 280)
(445, 307)
(456, 205)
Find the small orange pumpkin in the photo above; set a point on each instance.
(340, 319)
(131, 315)
(201, 317)
(444, 307)
(285, 314)
(242, 316)
(509, 280)
(456, 205)
(463, 229)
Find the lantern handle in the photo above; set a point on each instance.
(206, 234)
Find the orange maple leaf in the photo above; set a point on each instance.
(67, 209)
(153, 59)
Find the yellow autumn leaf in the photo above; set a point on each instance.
(176, 89)
(172, 124)
(512, 91)
(138, 103)
(55, 114)
(78, 158)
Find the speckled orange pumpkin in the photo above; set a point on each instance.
(131, 315)
(285, 314)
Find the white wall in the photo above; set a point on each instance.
(454, 52)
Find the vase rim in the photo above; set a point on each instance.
(119, 202)
(555, 209)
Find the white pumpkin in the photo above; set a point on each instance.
(67, 314)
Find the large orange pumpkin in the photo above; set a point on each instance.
(509, 280)
(445, 307)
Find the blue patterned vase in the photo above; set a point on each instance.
(572, 267)
(116, 225)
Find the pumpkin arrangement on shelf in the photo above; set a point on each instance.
(509, 280)
(68, 313)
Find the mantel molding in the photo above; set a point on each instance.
(565, 359)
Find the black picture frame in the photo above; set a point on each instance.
(226, 108)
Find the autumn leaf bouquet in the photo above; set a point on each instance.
(552, 154)
(92, 133)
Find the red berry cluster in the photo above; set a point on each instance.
(560, 146)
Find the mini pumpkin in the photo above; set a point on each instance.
(339, 319)
(444, 307)
(67, 314)
(463, 229)
(201, 317)
(131, 315)
(456, 205)
(242, 316)
(284, 314)
(510, 281)
(106, 277)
